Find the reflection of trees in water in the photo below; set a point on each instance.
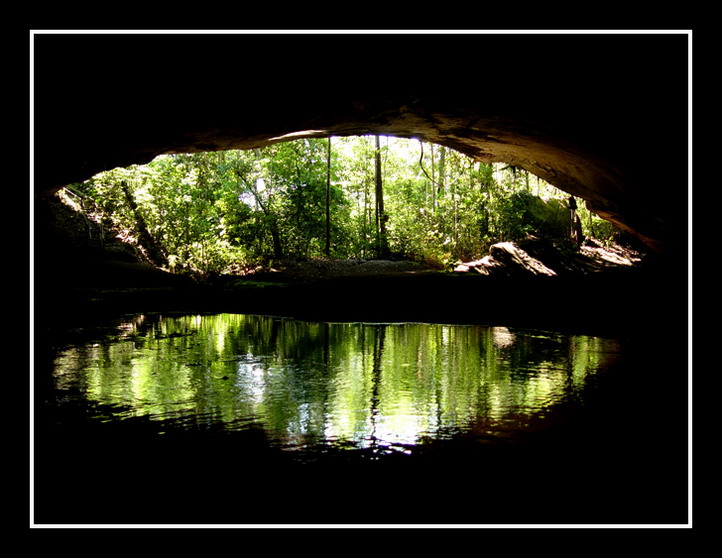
(379, 335)
(309, 382)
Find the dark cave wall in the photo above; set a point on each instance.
(600, 116)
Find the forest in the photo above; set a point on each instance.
(366, 197)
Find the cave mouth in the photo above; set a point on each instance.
(442, 208)
(529, 275)
(604, 189)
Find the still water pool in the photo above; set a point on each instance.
(248, 418)
(346, 384)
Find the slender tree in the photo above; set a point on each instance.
(328, 199)
(382, 239)
(147, 241)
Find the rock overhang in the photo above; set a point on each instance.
(602, 118)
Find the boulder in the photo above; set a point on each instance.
(506, 259)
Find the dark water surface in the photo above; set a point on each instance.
(233, 418)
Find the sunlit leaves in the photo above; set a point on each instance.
(216, 212)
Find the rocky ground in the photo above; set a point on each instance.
(535, 256)
(530, 257)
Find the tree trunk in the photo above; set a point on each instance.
(276, 236)
(382, 242)
(442, 171)
(153, 250)
(434, 187)
(328, 199)
(270, 217)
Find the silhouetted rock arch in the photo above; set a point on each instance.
(603, 117)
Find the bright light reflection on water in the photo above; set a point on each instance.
(341, 384)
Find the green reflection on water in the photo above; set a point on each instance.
(343, 383)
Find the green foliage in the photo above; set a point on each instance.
(220, 212)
